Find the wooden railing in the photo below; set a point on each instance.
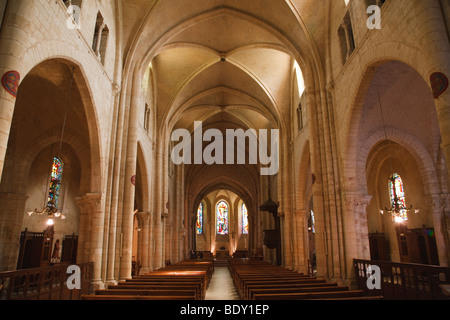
(48, 283)
(402, 281)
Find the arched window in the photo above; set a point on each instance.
(200, 219)
(312, 222)
(397, 197)
(55, 183)
(244, 219)
(222, 217)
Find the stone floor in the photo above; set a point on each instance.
(221, 286)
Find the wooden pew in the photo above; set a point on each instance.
(271, 288)
(250, 283)
(120, 297)
(185, 280)
(259, 281)
(171, 278)
(290, 290)
(200, 292)
(350, 294)
(189, 294)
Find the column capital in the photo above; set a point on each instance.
(144, 216)
(438, 201)
(300, 212)
(357, 201)
(101, 25)
(91, 202)
(13, 196)
(115, 88)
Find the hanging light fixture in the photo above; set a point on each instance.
(398, 210)
(51, 209)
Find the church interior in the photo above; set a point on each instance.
(116, 156)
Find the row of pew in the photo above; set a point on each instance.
(258, 280)
(185, 280)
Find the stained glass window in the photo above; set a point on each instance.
(55, 182)
(397, 195)
(222, 217)
(313, 222)
(200, 219)
(244, 219)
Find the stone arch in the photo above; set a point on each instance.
(145, 56)
(352, 154)
(44, 117)
(81, 82)
(409, 142)
(88, 151)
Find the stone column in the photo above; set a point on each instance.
(114, 177)
(438, 60)
(130, 170)
(11, 217)
(301, 241)
(101, 27)
(84, 234)
(92, 204)
(356, 237)
(12, 49)
(165, 237)
(158, 258)
(439, 210)
(145, 217)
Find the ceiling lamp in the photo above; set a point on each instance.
(51, 209)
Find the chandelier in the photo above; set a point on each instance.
(50, 209)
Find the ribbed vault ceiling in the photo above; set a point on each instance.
(219, 56)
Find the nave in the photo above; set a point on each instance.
(91, 122)
(221, 286)
(242, 279)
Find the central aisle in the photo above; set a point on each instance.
(221, 286)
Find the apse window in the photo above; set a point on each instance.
(244, 219)
(222, 218)
(200, 219)
(312, 222)
(55, 183)
(397, 197)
